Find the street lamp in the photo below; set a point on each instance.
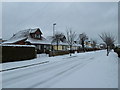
(54, 29)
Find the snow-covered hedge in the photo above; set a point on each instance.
(12, 53)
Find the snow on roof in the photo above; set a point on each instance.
(77, 45)
(87, 46)
(60, 43)
(14, 40)
(21, 35)
(36, 41)
(33, 30)
(25, 35)
(17, 45)
(49, 38)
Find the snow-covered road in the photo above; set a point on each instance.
(48, 74)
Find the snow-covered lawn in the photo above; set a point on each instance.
(81, 70)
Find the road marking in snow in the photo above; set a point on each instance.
(70, 57)
(23, 66)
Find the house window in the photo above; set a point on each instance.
(38, 47)
(37, 35)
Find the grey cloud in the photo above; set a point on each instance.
(91, 17)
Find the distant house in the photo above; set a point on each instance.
(62, 45)
(30, 37)
(88, 44)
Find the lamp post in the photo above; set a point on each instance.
(54, 29)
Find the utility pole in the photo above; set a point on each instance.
(54, 29)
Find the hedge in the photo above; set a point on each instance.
(12, 53)
(117, 50)
(87, 49)
(56, 53)
(0, 54)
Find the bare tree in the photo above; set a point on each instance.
(70, 38)
(109, 40)
(57, 38)
(82, 38)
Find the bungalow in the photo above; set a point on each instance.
(61, 46)
(30, 37)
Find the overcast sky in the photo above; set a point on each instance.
(89, 17)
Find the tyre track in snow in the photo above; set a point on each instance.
(70, 64)
(24, 75)
(23, 66)
(42, 70)
(60, 74)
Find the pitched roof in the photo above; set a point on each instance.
(36, 41)
(34, 30)
(21, 35)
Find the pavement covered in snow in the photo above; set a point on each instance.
(81, 70)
